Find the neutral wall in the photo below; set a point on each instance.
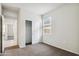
(0, 9)
(65, 28)
(36, 32)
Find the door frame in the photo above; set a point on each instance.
(1, 31)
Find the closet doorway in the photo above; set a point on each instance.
(28, 25)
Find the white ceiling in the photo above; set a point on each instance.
(37, 8)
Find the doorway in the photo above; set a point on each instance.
(9, 26)
(0, 34)
(28, 25)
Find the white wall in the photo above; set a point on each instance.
(36, 20)
(65, 29)
(0, 9)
